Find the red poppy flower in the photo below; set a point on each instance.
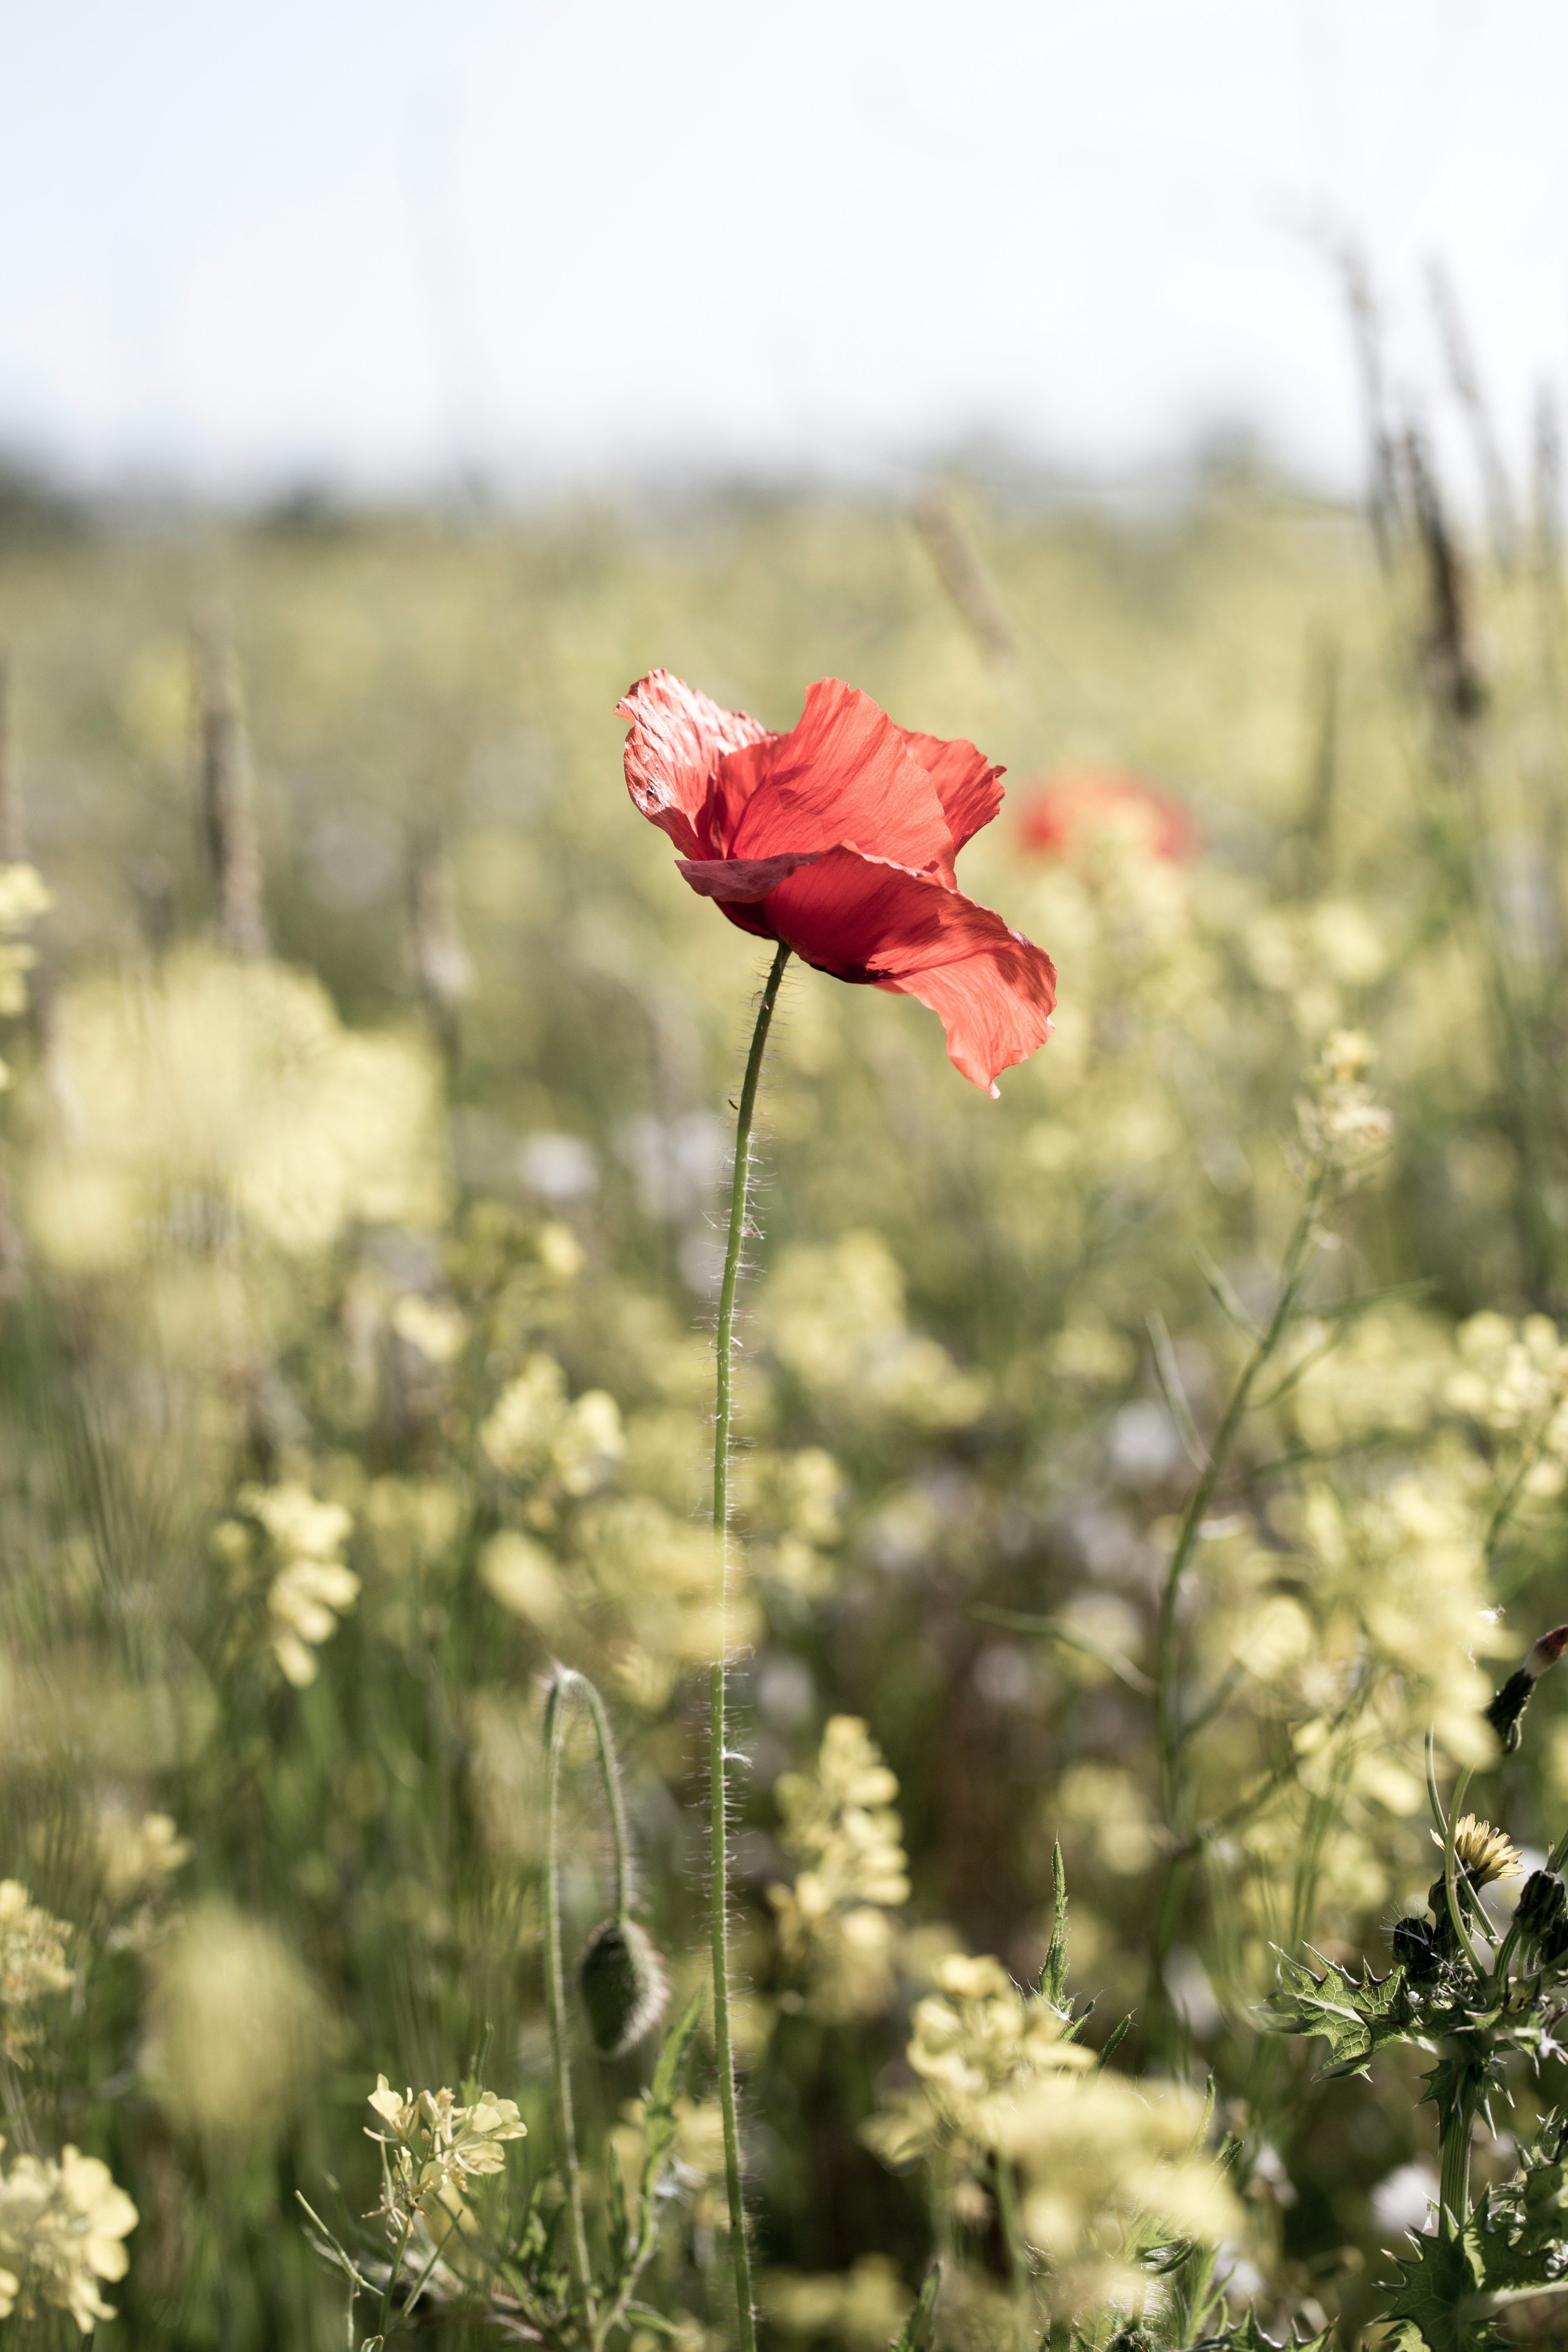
(1082, 800)
(838, 840)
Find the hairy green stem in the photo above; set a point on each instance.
(579, 1686)
(723, 2046)
(555, 1994)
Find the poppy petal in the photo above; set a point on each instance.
(862, 918)
(995, 1003)
(844, 774)
(742, 879)
(678, 737)
(967, 783)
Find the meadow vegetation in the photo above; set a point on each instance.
(1144, 1482)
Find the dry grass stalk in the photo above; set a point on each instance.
(965, 578)
(227, 799)
(1465, 378)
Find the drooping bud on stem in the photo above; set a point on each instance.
(1508, 1708)
(622, 1979)
(621, 1974)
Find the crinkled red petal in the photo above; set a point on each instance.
(844, 774)
(677, 738)
(864, 919)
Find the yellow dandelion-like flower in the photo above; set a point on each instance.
(1482, 1853)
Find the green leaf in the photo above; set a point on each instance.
(615, 2228)
(646, 2317)
(1355, 2017)
(1246, 2335)
(1053, 1982)
(1440, 2283)
(1511, 2247)
(1115, 2038)
(915, 2334)
(536, 2261)
(658, 2107)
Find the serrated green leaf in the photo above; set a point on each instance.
(1245, 2334)
(1510, 2248)
(1439, 2283)
(1354, 2016)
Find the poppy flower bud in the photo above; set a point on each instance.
(1507, 1709)
(623, 1983)
(1543, 1903)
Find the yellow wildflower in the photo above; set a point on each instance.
(1482, 1854)
(62, 2230)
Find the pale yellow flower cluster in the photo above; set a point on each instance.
(434, 1326)
(1396, 1584)
(657, 1572)
(862, 2308)
(137, 1854)
(1386, 1374)
(1346, 1130)
(1105, 2166)
(62, 2230)
(840, 1826)
(23, 897)
(1121, 919)
(697, 2157)
(979, 2041)
(531, 1432)
(1108, 2168)
(835, 1317)
(32, 1963)
(789, 1505)
(235, 1084)
(435, 2146)
(1512, 1379)
(313, 1588)
(236, 2030)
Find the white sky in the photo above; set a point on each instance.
(377, 240)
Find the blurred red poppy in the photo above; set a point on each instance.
(1083, 801)
(838, 839)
